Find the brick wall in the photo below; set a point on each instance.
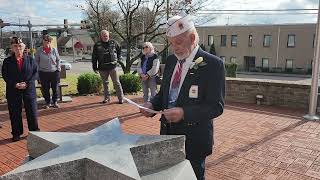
(275, 92)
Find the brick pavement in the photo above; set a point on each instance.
(251, 142)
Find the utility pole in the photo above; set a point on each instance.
(1, 26)
(315, 76)
(30, 33)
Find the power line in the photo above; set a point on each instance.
(256, 10)
(231, 13)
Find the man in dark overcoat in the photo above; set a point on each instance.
(191, 94)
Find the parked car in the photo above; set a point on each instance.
(66, 64)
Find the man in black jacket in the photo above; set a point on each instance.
(191, 94)
(104, 59)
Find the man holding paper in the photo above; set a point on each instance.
(192, 92)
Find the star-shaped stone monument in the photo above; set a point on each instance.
(104, 153)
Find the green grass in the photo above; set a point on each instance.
(71, 80)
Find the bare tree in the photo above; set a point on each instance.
(132, 22)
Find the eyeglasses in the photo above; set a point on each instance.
(47, 40)
(145, 47)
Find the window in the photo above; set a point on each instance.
(223, 42)
(210, 40)
(291, 40)
(289, 63)
(234, 40)
(250, 41)
(233, 59)
(267, 41)
(265, 62)
(223, 58)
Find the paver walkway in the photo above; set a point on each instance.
(251, 142)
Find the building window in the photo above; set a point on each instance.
(210, 40)
(291, 40)
(267, 41)
(233, 59)
(223, 58)
(234, 40)
(289, 63)
(223, 42)
(265, 63)
(250, 41)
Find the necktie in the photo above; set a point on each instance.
(174, 90)
(177, 75)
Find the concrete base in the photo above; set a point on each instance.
(311, 117)
(104, 153)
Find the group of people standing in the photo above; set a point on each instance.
(20, 71)
(191, 93)
(105, 55)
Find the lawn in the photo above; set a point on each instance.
(71, 80)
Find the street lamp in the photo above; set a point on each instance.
(315, 76)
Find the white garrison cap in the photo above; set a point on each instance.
(179, 24)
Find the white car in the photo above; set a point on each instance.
(66, 64)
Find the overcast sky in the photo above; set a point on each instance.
(54, 11)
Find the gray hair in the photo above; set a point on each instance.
(194, 31)
(104, 31)
(149, 44)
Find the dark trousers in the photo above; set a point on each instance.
(15, 112)
(49, 80)
(198, 166)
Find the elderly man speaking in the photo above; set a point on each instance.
(191, 94)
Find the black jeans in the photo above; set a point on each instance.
(49, 80)
(198, 166)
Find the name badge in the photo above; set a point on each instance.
(193, 91)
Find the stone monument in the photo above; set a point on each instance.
(104, 153)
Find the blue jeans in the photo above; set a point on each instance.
(198, 166)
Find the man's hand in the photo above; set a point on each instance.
(145, 113)
(174, 114)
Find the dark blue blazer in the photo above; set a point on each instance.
(199, 112)
(12, 75)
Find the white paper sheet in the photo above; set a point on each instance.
(141, 107)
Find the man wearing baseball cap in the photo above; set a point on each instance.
(192, 92)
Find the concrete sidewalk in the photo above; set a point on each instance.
(251, 142)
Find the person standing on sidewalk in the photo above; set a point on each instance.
(19, 71)
(105, 54)
(191, 93)
(48, 61)
(148, 68)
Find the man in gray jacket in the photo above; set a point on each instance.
(105, 61)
